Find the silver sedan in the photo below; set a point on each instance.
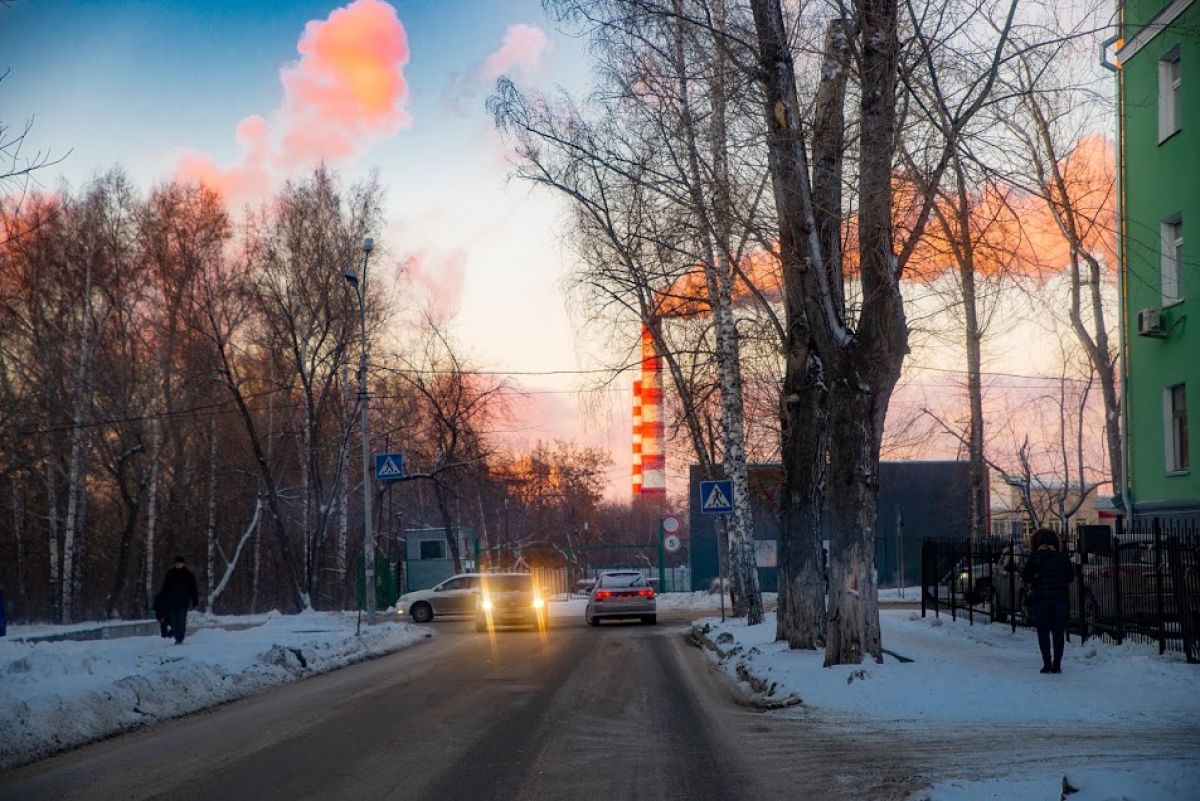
(621, 594)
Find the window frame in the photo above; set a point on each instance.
(1170, 94)
(1170, 264)
(1175, 430)
(421, 544)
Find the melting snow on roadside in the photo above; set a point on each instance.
(985, 679)
(57, 695)
(968, 674)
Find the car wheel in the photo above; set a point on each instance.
(422, 613)
(649, 620)
(592, 621)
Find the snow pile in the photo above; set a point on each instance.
(58, 695)
(966, 674)
(1162, 781)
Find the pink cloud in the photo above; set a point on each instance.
(522, 48)
(440, 276)
(346, 91)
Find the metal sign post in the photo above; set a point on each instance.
(668, 524)
(716, 498)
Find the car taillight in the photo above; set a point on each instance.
(601, 594)
(646, 593)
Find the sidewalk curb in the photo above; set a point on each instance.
(763, 695)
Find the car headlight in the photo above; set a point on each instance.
(486, 604)
(538, 603)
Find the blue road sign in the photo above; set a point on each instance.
(716, 497)
(389, 466)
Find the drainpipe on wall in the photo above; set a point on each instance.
(1123, 346)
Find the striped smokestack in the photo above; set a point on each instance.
(654, 473)
(637, 439)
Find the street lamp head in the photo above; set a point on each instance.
(351, 277)
(368, 244)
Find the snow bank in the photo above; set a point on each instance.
(58, 695)
(1161, 781)
(966, 674)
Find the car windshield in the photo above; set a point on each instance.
(622, 580)
(515, 583)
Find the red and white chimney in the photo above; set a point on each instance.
(653, 461)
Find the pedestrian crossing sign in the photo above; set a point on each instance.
(716, 497)
(389, 466)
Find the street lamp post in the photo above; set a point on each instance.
(360, 289)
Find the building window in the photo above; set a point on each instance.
(432, 549)
(1171, 260)
(1169, 94)
(1175, 417)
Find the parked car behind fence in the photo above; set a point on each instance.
(1142, 583)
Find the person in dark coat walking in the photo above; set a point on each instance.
(1049, 573)
(178, 591)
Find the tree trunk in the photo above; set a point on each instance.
(306, 468)
(339, 561)
(19, 533)
(55, 574)
(857, 418)
(210, 530)
(76, 473)
(801, 617)
(804, 418)
(132, 506)
(443, 505)
(152, 510)
(257, 561)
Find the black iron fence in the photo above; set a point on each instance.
(1139, 582)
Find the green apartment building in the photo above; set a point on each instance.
(1159, 75)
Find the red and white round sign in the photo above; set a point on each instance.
(670, 524)
(671, 543)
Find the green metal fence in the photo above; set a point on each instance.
(386, 592)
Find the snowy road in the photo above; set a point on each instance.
(619, 712)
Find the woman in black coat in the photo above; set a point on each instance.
(1049, 573)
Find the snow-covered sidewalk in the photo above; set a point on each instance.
(963, 673)
(983, 682)
(58, 695)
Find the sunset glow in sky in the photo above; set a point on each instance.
(242, 95)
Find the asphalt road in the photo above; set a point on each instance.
(619, 712)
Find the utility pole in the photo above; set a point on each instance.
(360, 289)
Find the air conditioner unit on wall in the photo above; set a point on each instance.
(1150, 323)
